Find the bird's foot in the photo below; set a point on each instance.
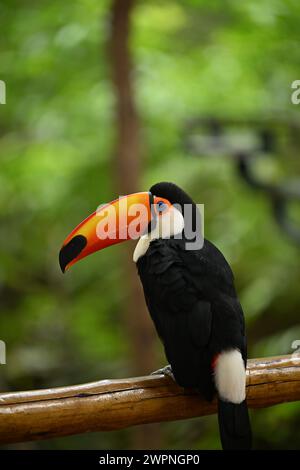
(167, 370)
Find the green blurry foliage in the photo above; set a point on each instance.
(228, 59)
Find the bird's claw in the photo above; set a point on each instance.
(167, 370)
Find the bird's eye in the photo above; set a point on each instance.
(161, 206)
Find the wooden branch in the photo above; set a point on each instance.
(114, 404)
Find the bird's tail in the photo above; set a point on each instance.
(234, 425)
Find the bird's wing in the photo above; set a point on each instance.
(212, 279)
(192, 300)
(175, 294)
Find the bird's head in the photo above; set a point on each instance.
(158, 213)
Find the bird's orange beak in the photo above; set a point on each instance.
(125, 218)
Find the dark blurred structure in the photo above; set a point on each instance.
(244, 142)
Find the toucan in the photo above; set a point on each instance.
(189, 291)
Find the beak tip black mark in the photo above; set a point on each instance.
(71, 250)
(62, 267)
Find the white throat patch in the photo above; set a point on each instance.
(141, 247)
(168, 225)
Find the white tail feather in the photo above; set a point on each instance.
(230, 376)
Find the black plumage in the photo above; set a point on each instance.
(192, 300)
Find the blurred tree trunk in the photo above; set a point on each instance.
(127, 160)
